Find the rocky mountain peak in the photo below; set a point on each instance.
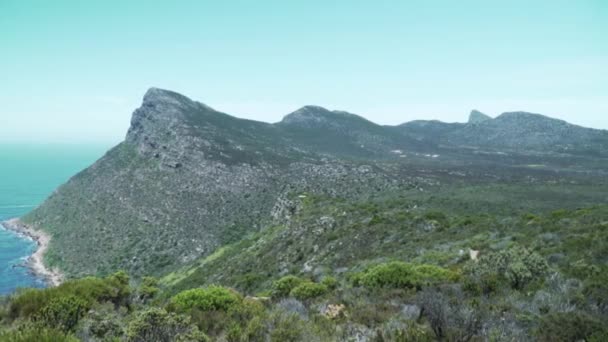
(524, 115)
(157, 96)
(160, 114)
(316, 116)
(477, 117)
(307, 114)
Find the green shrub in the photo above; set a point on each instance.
(483, 284)
(413, 333)
(255, 330)
(517, 266)
(472, 286)
(88, 291)
(398, 274)
(596, 291)
(158, 325)
(148, 288)
(571, 326)
(330, 282)
(431, 274)
(283, 286)
(33, 333)
(309, 290)
(62, 312)
(103, 322)
(286, 328)
(206, 299)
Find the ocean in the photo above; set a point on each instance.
(28, 174)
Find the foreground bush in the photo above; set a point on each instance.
(399, 274)
(571, 326)
(158, 325)
(33, 333)
(518, 266)
(148, 288)
(206, 299)
(74, 295)
(63, 312)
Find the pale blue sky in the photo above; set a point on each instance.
(73, 71)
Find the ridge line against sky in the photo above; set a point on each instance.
(74, 71)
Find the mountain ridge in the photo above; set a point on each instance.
(188, 170)
(503, 130)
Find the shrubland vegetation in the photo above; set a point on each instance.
(393, 268)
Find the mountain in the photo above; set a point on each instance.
(428, 131)
(189, 179)
(522, 131)
(326, 227)
(342, 134)
(518, 132)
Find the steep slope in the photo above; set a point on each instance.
(329, 237)
(186, 180)
(189, 179)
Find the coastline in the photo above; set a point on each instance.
(35, 262)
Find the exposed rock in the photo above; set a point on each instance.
(476, 117)
(411, 312)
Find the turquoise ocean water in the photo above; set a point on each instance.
(28, 174)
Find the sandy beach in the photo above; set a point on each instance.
(35, 261)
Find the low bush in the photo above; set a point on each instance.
(158, 325)
(309, 290)
(596, 292)
(330, 282)
(398, 274)
(62, 312)
(571, 326)
(283, 286)
(33, 333)
(286, 327)
(86, 291)
(486, 284)
(518, 266)
(148, 288)
(206, 299)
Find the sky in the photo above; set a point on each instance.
(74, 71)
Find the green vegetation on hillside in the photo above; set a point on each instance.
(188, 179)
(538, 276)
(326, 227)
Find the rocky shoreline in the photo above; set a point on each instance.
(35, 262)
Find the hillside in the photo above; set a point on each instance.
(186, 180)
(189, 179)
(326, 227)
(464, 265)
